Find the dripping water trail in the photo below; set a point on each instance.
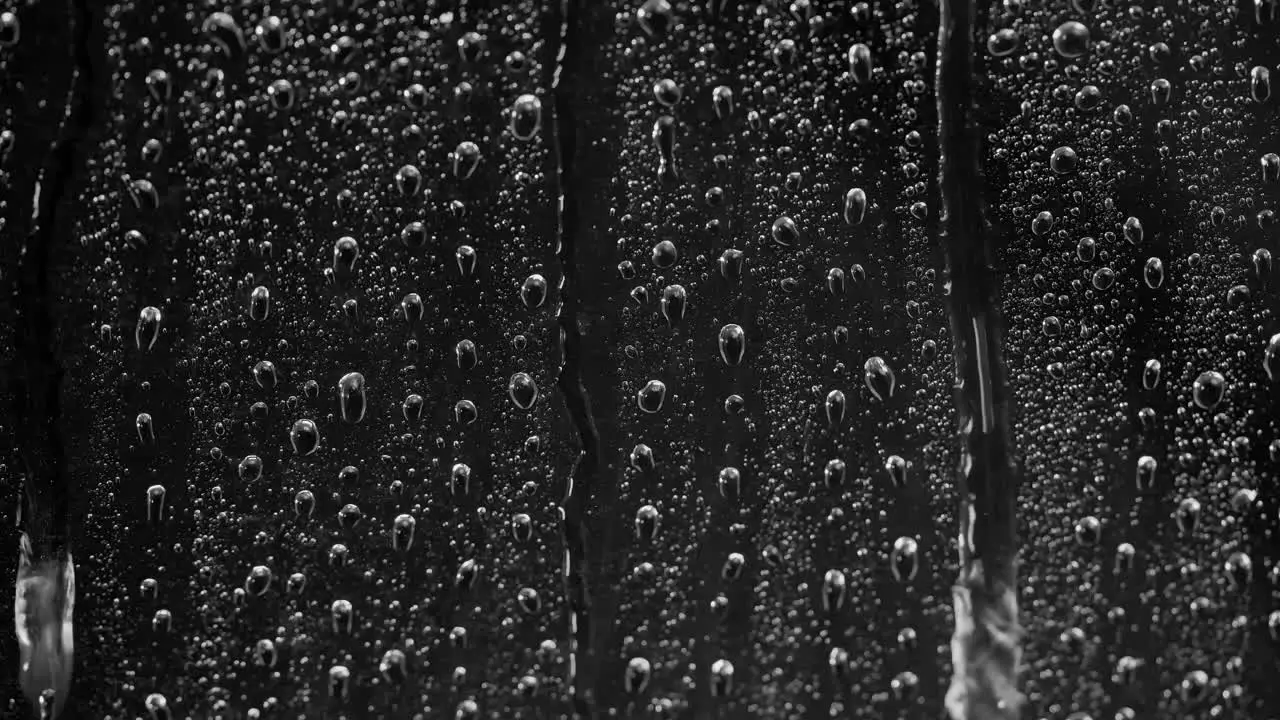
(563, 138)
(36, 383)
(986, 647)
(46, 589)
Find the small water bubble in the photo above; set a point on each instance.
(412, 407)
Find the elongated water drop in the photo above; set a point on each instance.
(526, 117)
(351, 397)
(879, 378)
(733, 344)
(305, 437)
(522, 390)
(855, 206)
(1271, 358)
(148, 331)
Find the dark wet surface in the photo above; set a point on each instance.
(255, 181)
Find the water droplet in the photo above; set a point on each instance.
(466, 159)
(648, 523)
(412, 407)
(533, 293)
(402, 531)
(1271, 358)
(351, 397)
(522, 390)
(1260, 83)
(905, 559)
(1003, 42)
(146, 429)
(733, 344)
(1153, 272)
(835, 407)
(250, 469)
(1208, 389)
(721, 678)
(305, 437)
(896, 466)
(148, 330)
(259, 303)
(637, 676)
(526, 117)
(1151, 374)
(860, 64)
(1133, 231)
(673, 303)
(651, 396)
(855, 206)
(879, 378)
(1071, 39)
(155, 504)
(785, 232)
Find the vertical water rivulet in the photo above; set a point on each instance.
(986, 643)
